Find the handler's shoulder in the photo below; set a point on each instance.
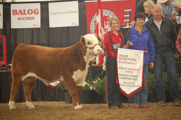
(166, 19)
(106, 34)
(147, 22)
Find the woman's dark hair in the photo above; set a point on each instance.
(139, 15)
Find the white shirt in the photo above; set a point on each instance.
(158, 24)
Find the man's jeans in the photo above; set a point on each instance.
(168, 60)
(112, 87)
(141, 97)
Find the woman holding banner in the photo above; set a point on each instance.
(141, 40)
(112, 40)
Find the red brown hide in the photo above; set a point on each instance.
(50, 65)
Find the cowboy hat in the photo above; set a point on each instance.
(162, 1)
(177, 3)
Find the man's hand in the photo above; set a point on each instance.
(173, 17)
(151, 65)
(176, 55)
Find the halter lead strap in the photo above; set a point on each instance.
(91, 47)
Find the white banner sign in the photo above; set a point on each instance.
(130, 70)
(25, 15)
(63, 14)
(1, 16)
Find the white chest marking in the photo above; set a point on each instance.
(79, 76)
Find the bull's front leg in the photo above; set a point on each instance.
(79, 89)
(75, 93)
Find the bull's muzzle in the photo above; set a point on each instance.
(99, 51)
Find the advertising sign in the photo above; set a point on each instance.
(25, 15)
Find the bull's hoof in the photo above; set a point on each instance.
(12, 106)
(30, 105)
(81, 105)
(78, 107)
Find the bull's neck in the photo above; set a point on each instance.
(82, 54)
(79, 51)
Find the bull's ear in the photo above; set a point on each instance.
(82, 39)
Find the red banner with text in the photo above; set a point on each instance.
(124, 10)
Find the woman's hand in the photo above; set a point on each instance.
(129, 43)
(101, 40)
(101, 37)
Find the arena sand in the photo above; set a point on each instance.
(46, 110)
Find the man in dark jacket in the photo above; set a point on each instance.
(164, 37)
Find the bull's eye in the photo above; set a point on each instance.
(88, 43)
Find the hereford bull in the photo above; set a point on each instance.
(69, 64)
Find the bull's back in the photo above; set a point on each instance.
(25, 51)
(45, 62)
(27, 58)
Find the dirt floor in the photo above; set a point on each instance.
(63, 111)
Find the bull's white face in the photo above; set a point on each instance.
(92, 44)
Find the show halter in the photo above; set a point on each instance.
(91, 47)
